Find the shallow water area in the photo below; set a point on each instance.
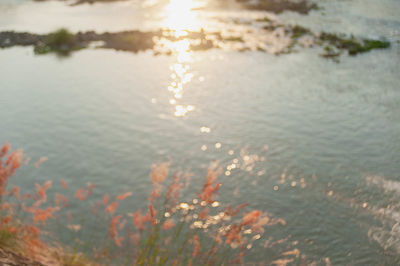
(313, 142)
(116, 16)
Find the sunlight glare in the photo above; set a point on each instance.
(181, 16)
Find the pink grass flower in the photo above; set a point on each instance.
(106, 199)
(114, 232)
(84, 192)
(41, 215)
(139, 220)
(204, 214)
(118, 241)
(159, 173)
(135, 238)
(152, 214)
(58, 198)
(14, 161)
(258, 226)
(209, 190)
(168, 224)
(41, 190)
(64, 184)
(233, 235)
(196, 248)
(5, 149)
(124, 196)
(111, 208)
(8, 168)
(40, 161)
(173, 191)
(250, 218)
(6, 219)
(113, 225)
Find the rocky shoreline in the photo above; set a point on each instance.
(62, 42)
(279, 6)
(273, 6)
(133, 41)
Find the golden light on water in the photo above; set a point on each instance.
(180, 76)
(181, 16)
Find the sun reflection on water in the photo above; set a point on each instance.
(181, 18)
(180, 76)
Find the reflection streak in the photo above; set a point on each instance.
(180, 19)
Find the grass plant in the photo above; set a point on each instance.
(169, 231)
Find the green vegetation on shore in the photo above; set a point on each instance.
(63, 42)
(334, 44)
(352, 45)
(299, 31)
(279, 6)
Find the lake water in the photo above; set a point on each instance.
(314, 142)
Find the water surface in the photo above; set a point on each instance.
(316, 143)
